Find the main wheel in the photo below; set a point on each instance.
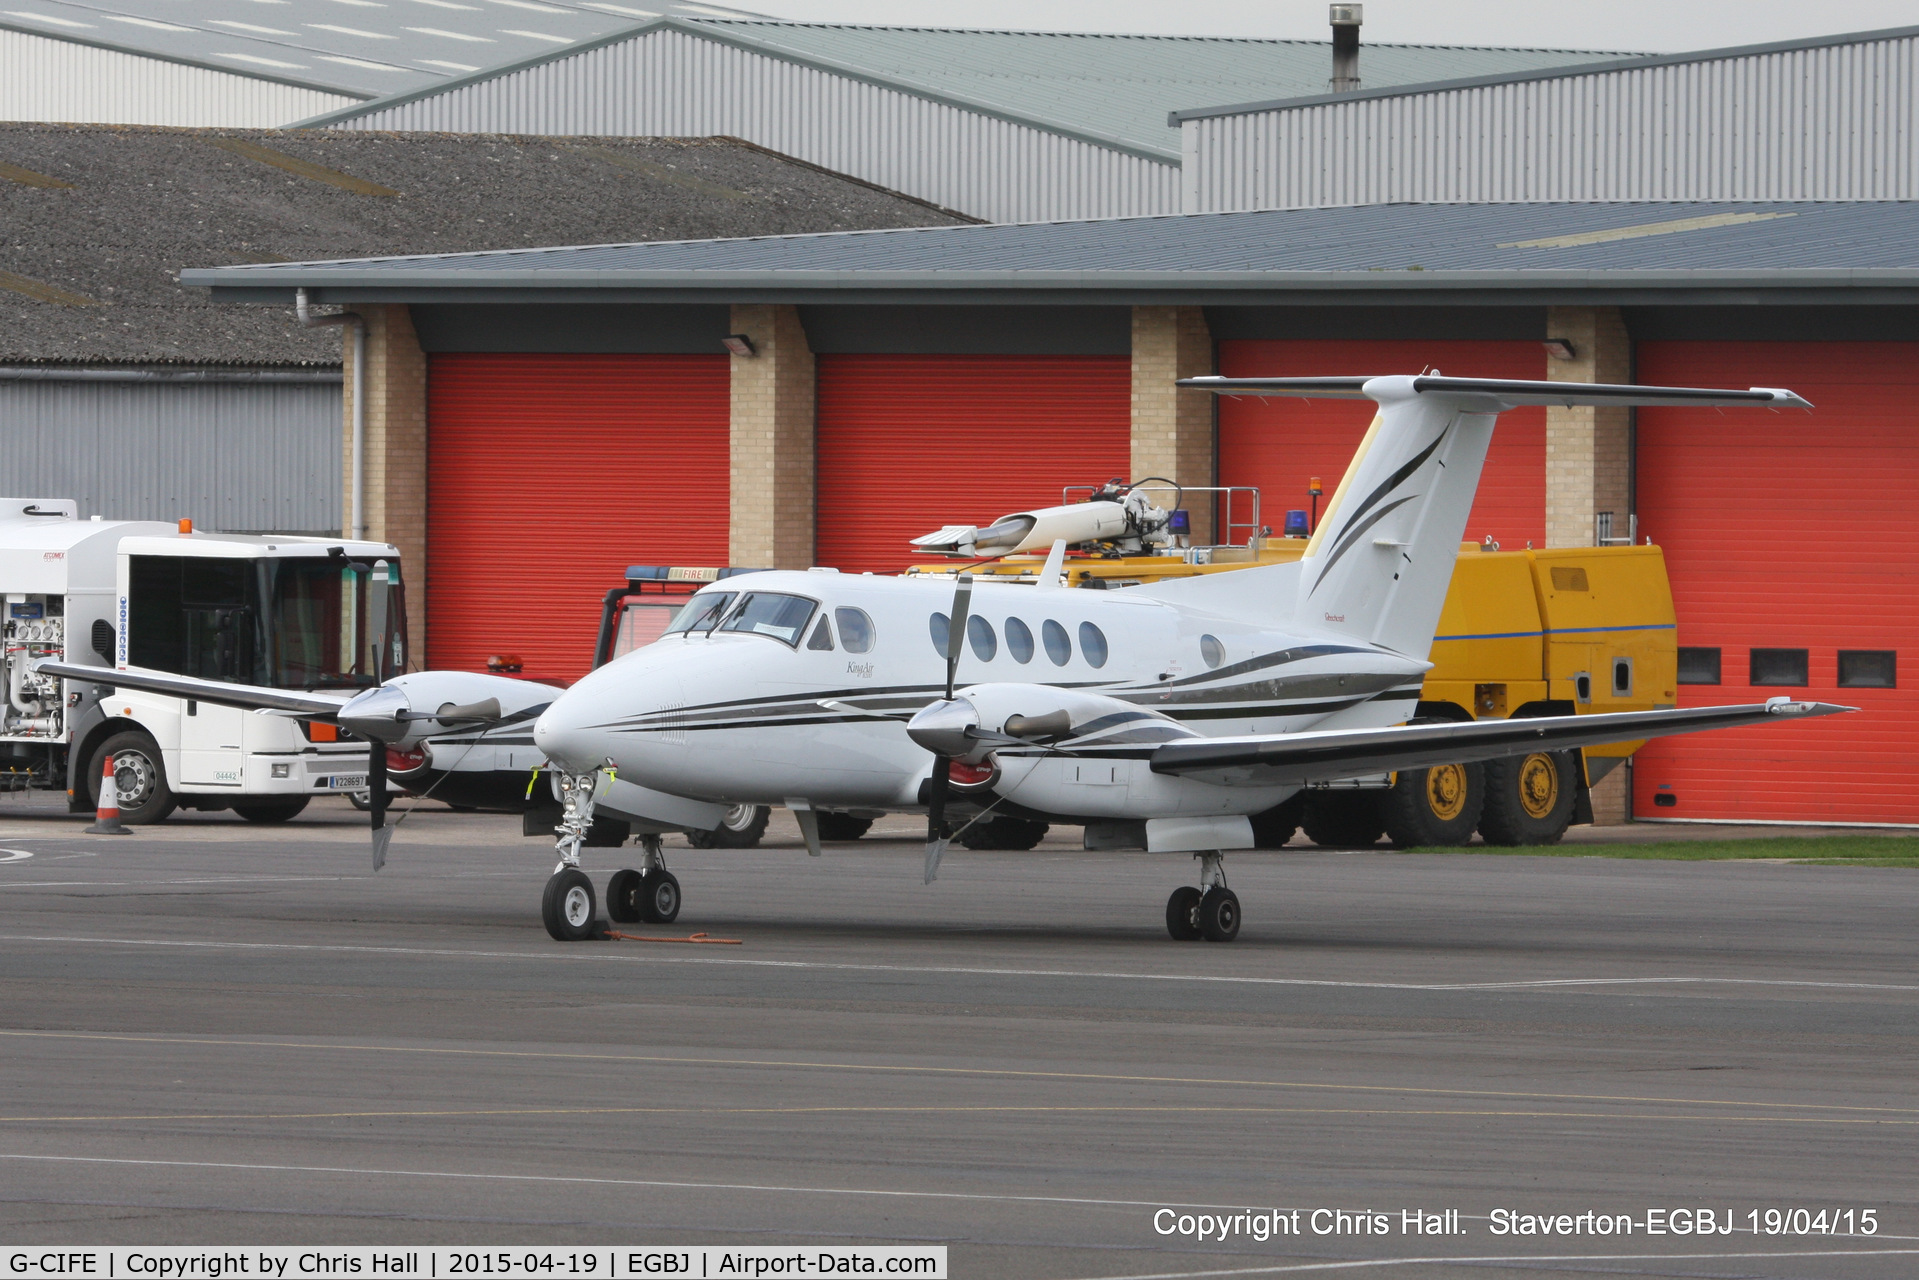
(278, 809)
(658, 897)
(1182, 914)
(139, 776)
(1343, 819)
(567, 906)
(1529, 799)
(1218, 914)
(622, 904)
(1273, 828)
(1003, 833)
(1435, 806)
(741, 828)
(842, 826)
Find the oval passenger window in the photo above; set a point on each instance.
(1092, 644)
(1212, 650)
(1019, 640)
(1058, 647)
(980, 633)
(856, 629)
(939, 626)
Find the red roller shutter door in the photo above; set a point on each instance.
(548, 475)
(909, 443)
(1788, 531)
(1278, 445)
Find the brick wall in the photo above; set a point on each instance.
(772, 441)
(1173, 432)
(396, 462)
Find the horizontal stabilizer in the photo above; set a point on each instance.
(1330, 755)
(221, 694)
(1507, 393)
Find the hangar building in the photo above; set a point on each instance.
(899, 380)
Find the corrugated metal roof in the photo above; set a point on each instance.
(1400, 246)
(1122, 86)
(366, 50)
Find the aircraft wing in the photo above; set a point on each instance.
(318, 703)
(1509, 392)
(1329, 755)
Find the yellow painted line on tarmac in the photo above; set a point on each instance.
(987, 1072)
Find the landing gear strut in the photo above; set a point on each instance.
(1210, 911)
(567, 906)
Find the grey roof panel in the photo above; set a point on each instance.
(1633, 62)
(1378, 246)
(367, 50)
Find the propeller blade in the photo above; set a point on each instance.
(956, 629)
(376, 801)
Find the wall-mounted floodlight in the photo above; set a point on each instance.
(739, 344)
(1559, 349)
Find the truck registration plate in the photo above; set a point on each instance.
(344, 782)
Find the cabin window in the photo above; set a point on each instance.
(1699, 666)
(1778, 666)
(1211, 651)
(979, 632)
(1092, 644)
(1019, 640)
(1058, 647)
(763, 613)
(1868, 669)
(822, 635)
(939, 628)
(702, 611)
(856, 629)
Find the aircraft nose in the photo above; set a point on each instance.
(568, 735)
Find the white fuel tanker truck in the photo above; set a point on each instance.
(276, 611)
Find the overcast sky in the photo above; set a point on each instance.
(1666, 26)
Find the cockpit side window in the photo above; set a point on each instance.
(822, 635)
(763, 613)
(702, 611)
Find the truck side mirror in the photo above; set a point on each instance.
(103, 638)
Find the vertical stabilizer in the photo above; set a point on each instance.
(1379, 564)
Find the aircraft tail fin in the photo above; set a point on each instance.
(1380, 562)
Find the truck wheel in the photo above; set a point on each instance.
(1273, 828)
(139, 774)
(842, 826)
(1436, 806)
(1529, 799)
(1003, 833)
(278, 809)
(1343, 819)
(741, 828)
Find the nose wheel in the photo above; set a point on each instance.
(1209, 911)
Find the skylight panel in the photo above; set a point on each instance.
(349, 31)
(359, 62)
(620, 8)
(448, 4)
(247, 26)
(264, 62)
(143, 22)
(536, 35)
(452, 35)
(451, 66)
(528, 4)
(47, 17)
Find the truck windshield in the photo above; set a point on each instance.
(285, 623)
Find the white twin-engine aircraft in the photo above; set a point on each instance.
(1159, 717)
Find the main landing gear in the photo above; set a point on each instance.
(1210, 911)
(650, 894)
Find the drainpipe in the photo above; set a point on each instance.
(349, 319)
(1346, 19)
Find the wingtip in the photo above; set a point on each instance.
(1783, 706)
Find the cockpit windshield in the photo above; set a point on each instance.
(702, 611)
(765, 614)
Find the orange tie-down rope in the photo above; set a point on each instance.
(698, 937)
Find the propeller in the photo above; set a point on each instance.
(943, 763)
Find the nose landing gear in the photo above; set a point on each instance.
(650, 895)
(1210, 911)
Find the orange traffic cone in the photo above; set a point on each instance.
(106, 818)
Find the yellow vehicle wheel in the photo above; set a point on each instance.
(1529, 799)
(1436, 806)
